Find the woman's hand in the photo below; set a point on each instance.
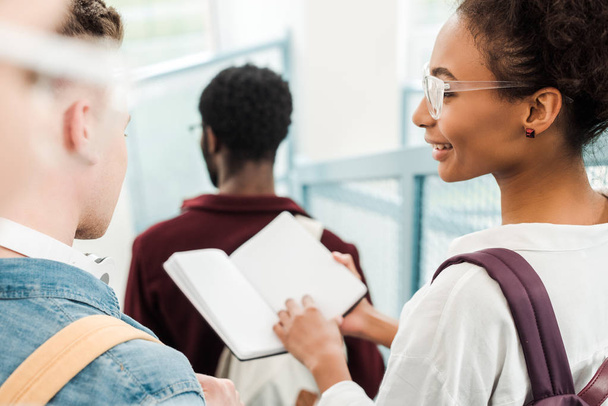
(355, 323)
(307, 398)
(315, 341)
(306, 334)
(220, 392)
(364, 321)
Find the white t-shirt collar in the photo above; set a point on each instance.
(34, 244)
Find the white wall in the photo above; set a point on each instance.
(243, 23)
(345, 84)
(347, 95)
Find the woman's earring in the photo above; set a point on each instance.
(530, 133)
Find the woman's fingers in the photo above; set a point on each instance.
(293, 307)
(279, 330)
(284, 319)
(348, 261)
(305, 332)
(307, 301)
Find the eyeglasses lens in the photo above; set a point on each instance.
(433, 92)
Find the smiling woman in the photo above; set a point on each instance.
(494, 138)
(515, 89)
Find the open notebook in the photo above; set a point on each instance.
(240, 295)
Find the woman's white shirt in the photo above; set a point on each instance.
(457, 344)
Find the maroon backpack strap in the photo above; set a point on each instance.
(532, 312)
(596, 391)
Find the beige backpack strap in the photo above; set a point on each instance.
(63, 356)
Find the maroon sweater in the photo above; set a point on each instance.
(224, 222)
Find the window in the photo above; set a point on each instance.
(422, 20)
(160, 30)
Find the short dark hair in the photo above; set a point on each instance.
(92, 19)
(562, 44)
(249, 110)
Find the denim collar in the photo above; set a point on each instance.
(28, 278)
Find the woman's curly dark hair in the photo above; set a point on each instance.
(249, 110)
(558, 43)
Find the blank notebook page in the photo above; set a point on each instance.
(244, 317)
(284, 261)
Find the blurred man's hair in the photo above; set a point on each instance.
(92, 19)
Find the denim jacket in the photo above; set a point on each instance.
(40, 297)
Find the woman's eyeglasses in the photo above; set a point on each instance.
(435, 89)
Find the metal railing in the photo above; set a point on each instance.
(408, 167)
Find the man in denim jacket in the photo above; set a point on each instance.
(63, 160)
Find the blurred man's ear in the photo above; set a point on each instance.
(212, 144)
(77, 132)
